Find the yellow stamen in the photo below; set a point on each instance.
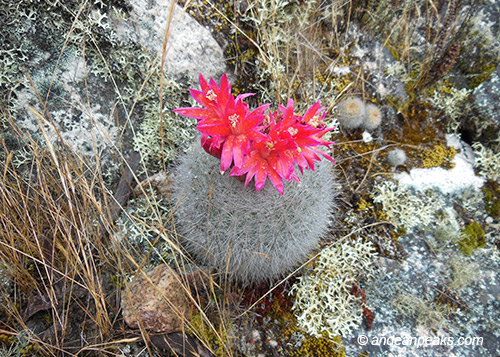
(233, 119)
(211, 95)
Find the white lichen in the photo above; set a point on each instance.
(323, 302)
(454, 104)
(401, 206)
(412, 209)
(429, 314)
(487, 161)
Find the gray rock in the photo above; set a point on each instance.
(83, 98)
(190, 48)
(487, 97)
(375, 59)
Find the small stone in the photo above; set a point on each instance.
(367, 137)
(158, 301)
(255, 335)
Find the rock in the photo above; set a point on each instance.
(86, 94)
(459, 178)
(158, 181)
(487, 97)
(376, 60)
(191, 49)
(156, 301)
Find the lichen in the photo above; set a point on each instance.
(161, 136)
(444, 234)
(473, 238)
(464, 273)
(487, 160)
(438, 155)
(21, 345)
(428, 314)
(452, 101)
(136, 233)
(323, 301)
(410, 209)
(37, 29)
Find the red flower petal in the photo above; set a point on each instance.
(227, 153)
(199, 113)
(275, 179)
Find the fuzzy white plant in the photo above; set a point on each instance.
(323, 302)
(373, 117)
(351, 112)
(253, 235)
(396, 157)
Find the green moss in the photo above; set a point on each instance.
(474, 238)
(491, 191)
(117, 282)
(204, 331)
(320, 346)
(484, 73)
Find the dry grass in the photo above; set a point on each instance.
(61, 254)
(55, 244)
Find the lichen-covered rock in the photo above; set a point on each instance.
(487, 97)
(191, 49)
(157, 301)
(375, 59)
(85, 74)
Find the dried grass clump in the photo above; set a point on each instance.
(53, 241)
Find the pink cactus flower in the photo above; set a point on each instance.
(240, 139)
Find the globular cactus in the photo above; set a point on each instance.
(255, 235)
(351, 112)
(396, 157)
(373, 117)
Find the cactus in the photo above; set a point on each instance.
(255, 235)
(352, 112)
(396, 157)
(373, 117)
